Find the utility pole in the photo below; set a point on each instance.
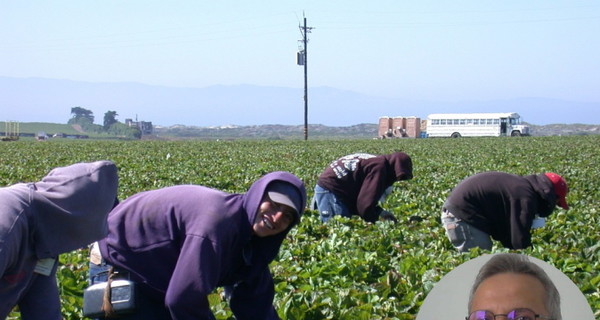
(302, 60)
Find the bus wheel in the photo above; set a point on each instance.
(515, 133)
(455, 135)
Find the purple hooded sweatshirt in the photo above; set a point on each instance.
(360, 180)
(38, 221)
(180, 243)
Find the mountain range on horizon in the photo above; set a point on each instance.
(51, 100)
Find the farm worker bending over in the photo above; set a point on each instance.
(64, 211)
(180, 243)
(502, 206)
(357, 183)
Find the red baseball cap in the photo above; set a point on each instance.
(560, 189)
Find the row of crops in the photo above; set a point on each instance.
(348, 269)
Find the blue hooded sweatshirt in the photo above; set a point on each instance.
(180, 243)
(64, 211)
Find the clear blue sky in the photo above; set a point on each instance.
(432, 50)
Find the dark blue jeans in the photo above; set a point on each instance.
(329, 205)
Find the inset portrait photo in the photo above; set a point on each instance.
(506, 286)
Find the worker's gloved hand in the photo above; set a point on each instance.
(387, 216)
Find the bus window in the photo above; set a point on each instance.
(490, 121)
(469, 121)
(462, 121)
(455, 121)
(443, 121)
(475, 121)
(496, 121)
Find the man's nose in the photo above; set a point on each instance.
(278, 214)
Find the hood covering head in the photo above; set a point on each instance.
(285, 193)
(264, 249)
(560, 189)
(401, 165)
(70, 206)
(277, 181)
(547, 200)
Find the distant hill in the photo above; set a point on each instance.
(564, 129)
(51, 100)
(48, 128)
(279, 132)
(359, 131)
(274, 132)
(35, 129)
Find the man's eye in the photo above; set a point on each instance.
(275, 205)
(290, 216)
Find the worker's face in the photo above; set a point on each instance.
(272, 218)
(505, 292)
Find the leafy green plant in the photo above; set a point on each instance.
(348, 269)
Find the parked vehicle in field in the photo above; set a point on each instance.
(457, 125)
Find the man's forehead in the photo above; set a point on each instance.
(506, 291)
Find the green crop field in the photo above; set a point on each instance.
(348, 269)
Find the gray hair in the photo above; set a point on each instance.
(520, 264)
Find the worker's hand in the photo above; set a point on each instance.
(387, 216)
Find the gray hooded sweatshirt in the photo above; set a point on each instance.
(64, 211)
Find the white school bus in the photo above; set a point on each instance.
(457, 125)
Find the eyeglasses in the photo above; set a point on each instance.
(517, 314)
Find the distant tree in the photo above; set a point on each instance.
(81, 116)
(134, 133)
(85, 119)
(109, 119)
(122, 130)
